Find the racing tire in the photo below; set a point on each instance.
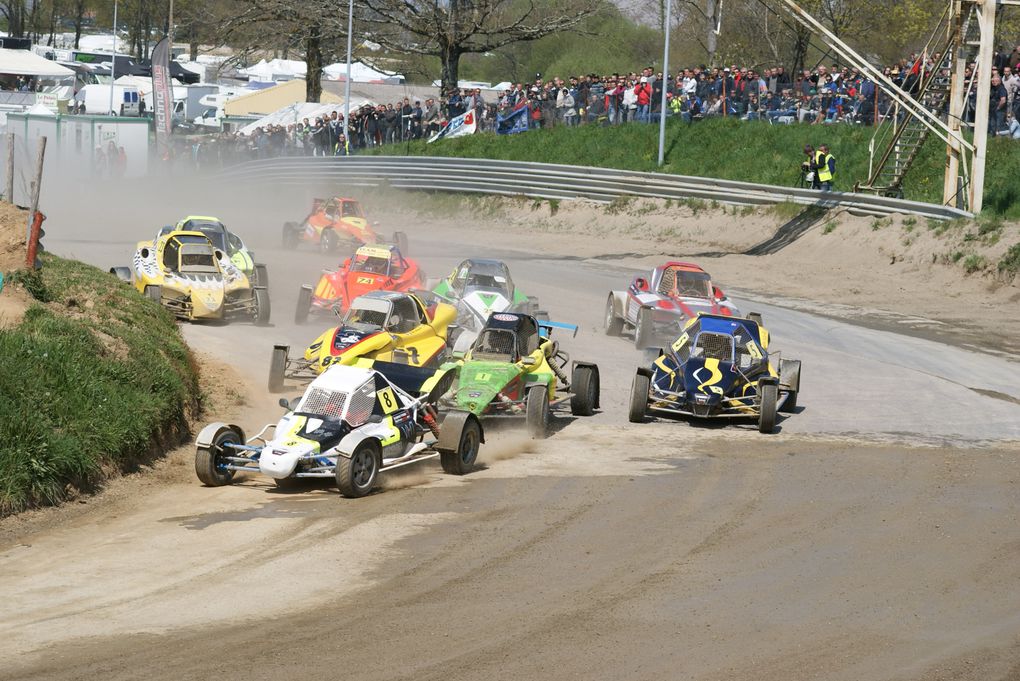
(537, 419)
(541, 316)
(755, 317)
(277, 369)
(290, 236)
(154, 293)
(584, 385)
(462, 460)
(789, 378)
(533, 306)
(207, 466)
(639, 390)
(790, 403)
(263, 307)
(767, 416)
(304, 305)
(614, 324)
(329, 242)
(261, 276)
(355, 476)
(643, 330)
(400, 241)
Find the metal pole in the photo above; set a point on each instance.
(347, 84)
(983, 74)
(113, 66)
(170, 30)
(10, 168)
(665, 85)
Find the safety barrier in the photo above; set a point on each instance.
(552, 181)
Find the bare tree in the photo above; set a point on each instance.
(448, 30)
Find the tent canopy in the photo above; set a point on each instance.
(27, 63)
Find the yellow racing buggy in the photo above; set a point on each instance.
(189, 276)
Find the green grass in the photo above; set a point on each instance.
(92, 383)
(732, 150)
(1009, 265)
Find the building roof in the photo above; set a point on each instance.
(265, 102)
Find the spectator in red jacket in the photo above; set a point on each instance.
(644, 97)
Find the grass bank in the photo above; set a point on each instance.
(732, 150)
(94, 380)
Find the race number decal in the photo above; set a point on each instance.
(366, 280)
(680, 342)
(752, 347)
(387, 400)
(483, 377)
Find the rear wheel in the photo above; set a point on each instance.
(154, 293)
(304, 305)
(614, 324)
(461, 461)
(262, 306)
(639, 398)
(277, 369)
(329, 242)
(209, 461)
(643, 330)
(400, 241)
(290, 236)
(538, 412)
(262, 276)
(769, 394)
(755, 317)
(356, 476)
(585, 387)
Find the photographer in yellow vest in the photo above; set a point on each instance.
(826, 164)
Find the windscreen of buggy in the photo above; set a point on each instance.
(349, 209)
(678, 282)
(709, 345)
(499, 345)
(372, 263)
(197, 259)
(215, 232)
(368, 313)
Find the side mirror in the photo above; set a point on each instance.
(347, 263)
(641, 284)
(717, 292)
(284, 403)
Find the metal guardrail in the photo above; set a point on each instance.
(552, 181)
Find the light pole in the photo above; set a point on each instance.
(347, 83)
(113, 66)
(665, 85)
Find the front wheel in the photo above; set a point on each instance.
(304, 305)
(262, 306)
(639, 390)
(643, 330)
(461, 460)
(277, 369)
(154, 293)
(356, 476)
(585, 388)
(538, 412)
(767, 416)
(614, 324)
(261, 276)
(290, 236)
(210, 466)
(329, 242)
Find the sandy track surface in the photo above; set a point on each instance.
(874, 536)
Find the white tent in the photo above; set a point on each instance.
(360, 73)
(100, 43)
(27, 63)
(40, 110)
(295, 113)
(277, 69)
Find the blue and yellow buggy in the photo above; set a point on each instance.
(719, 367)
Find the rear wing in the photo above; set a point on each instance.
(549, 326)
(414, 381)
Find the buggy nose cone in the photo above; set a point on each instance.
(280, 462)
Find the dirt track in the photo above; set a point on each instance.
(874, 537)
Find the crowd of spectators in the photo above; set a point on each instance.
(822, 95)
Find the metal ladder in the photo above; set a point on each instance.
(902, 136)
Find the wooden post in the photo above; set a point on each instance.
(36, 187)
(10, 168)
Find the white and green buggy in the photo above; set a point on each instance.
(222, 238)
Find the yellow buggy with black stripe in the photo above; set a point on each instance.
(352, 423)
(718, 367)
